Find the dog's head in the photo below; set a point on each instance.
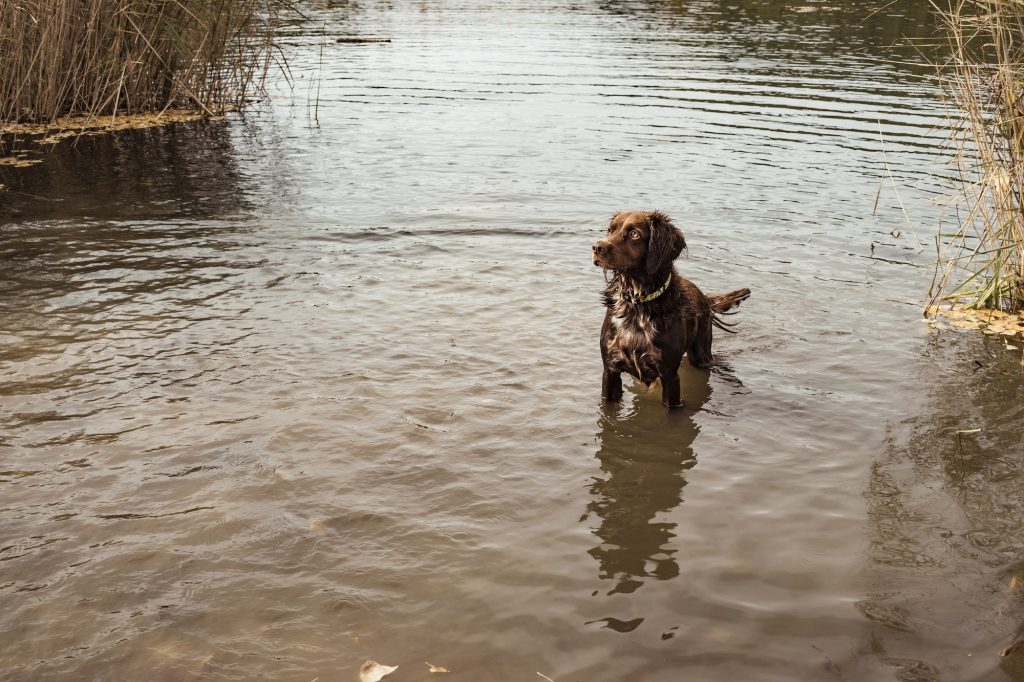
(639, 243)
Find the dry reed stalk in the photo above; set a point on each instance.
(102, 57)
(981, 264)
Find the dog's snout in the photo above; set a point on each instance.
(601, 247)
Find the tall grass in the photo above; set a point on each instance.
(60, 57)
(981, 264)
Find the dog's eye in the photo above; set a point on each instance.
(633, 234)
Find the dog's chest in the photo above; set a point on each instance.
(631, 346)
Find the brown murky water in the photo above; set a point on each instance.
(321, 383)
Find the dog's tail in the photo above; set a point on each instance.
(723, 304)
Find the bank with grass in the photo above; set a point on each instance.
(981, 261)
(121, 58)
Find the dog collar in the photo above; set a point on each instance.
(636, 298)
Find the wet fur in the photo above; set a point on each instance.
(647, 340)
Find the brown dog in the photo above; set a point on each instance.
(654, 316)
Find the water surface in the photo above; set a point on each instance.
(320, 383)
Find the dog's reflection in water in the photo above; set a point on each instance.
(644, 454)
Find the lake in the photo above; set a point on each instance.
(320, 383)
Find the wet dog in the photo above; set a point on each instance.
(653, 316)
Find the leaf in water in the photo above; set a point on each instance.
(317, 524)
(436, 668)
(372, 671)
(1013, 647)
(989, 321)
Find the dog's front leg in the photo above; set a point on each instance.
(611, 380)
(670, 389)
(611, 385)
(669, 375)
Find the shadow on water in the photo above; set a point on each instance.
(644, 452)
(184, 170)
(127, 245)
(944, 502)
(778, 30)
(73, 283)
(109, 221)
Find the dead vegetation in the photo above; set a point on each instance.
(119, 58)
(981, 264)
(988, 321)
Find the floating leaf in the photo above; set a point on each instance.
(372, 671)
(436, 668)
(988, 321)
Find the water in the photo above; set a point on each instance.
(320, 384)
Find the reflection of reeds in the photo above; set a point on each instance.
(126, 56)
(981, 264)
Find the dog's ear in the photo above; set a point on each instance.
(664, 244)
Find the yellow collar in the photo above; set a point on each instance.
(635, 298)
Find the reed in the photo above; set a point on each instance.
(981, 263)
(103, 57)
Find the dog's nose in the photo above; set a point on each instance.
(601, 247)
